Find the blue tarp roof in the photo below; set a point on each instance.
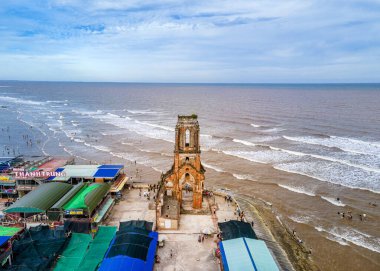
(246, 254)
(106, 173)
(4, 239)
(124, 262)
(111, 166)
(5, 162)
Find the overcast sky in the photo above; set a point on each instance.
(191, 41)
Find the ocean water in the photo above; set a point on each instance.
(288, 142)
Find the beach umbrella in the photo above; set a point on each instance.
(162, 237)
(208, 230)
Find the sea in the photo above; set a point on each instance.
(310, 150)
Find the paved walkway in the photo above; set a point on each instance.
(132, 207)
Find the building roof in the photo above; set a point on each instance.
(88, 197)
(5, 163)
(235, 229)
(40, 199)
(246, 254)
(76, 171)
(53, 164)
(7, 233)
(87, 172)
(118, 185)
(69, 195)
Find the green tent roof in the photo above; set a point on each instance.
(98, 248)
(74, 253)
(9, 231)
(88, 197)
(66, 198)
(40, 199)
(85, 253)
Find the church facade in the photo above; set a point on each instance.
(184, 182)
(187, 172)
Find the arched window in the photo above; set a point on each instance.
(187, 138)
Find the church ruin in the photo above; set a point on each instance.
(182, 186)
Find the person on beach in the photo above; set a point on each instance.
(171, 253)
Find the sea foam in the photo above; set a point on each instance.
(297, 189)
(343, 236)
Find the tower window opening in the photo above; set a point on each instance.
(187, 138)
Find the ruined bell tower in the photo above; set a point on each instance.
(187, 172)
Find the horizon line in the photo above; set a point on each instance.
(196, 83)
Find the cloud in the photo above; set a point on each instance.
(197, 41)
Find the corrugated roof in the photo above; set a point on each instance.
(87, 172)
(40, 199)
(261, 255)
(77, 171)
(246, 254)
(88, 197)
(65, 199)
(95, 196)
(112, 166)
(106, 173)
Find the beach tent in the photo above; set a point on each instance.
(235, 229)
(40, 199)
(246, 254)
(37, 249)
(133, 248)
(74, 253)
(98, 248)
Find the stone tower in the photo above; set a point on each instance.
(187, 172)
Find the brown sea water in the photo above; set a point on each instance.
(299, 147)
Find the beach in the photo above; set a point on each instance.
(291, 150)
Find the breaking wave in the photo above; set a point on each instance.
(344, 236)
(19, 101)
(343, 143)
(301, 219)
(244, 177)
(333, 201)
(218, 169)
(298, 189)
(255, 125)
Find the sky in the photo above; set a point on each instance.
(195, 41)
